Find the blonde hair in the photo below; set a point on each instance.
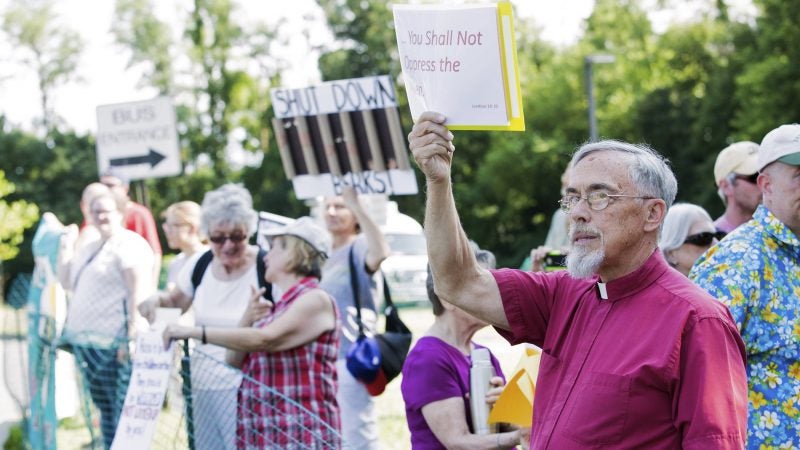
(185, 211)
(304, 260)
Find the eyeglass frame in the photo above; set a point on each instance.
(235, 238)
(592, 198)
(704, 238)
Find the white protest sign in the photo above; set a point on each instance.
(395, 182)
(460, 61)
(344, 132)
(139, 139)
(355, 94)
(166, 316)
(146, 390)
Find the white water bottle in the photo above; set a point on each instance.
(480, 373)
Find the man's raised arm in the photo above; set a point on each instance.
(458, 278)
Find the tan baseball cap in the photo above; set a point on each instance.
(781, 144)
(740, 158)
(306, 229)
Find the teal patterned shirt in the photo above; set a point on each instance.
(755, 270)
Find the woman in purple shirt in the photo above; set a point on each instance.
(436, 381)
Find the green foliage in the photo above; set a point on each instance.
(364, 30)
(229, 106)
(770, 82)
(16, 438)
(148, 39)
(49, 174)
(16, 217)
(688, 91)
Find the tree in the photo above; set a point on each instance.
(148, 39)
(49, 49)
(49, 173)
(16, 217)
(222, 102)
(365, 45)
(770, 82)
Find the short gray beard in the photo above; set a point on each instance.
(582, 264)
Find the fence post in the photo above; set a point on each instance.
(186, 371)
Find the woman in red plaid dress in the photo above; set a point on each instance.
(288, 352)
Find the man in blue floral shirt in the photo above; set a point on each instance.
(755, 270)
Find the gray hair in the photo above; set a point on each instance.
(228, 204)
(649, 172)
(679, 220)
(485, 258)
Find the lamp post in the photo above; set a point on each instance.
(587, 70)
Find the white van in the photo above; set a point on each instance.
(405, 269)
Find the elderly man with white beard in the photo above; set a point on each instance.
(633, 354)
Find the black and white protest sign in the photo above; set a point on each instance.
(344, 132)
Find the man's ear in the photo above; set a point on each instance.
(764, 182)
(656, 210)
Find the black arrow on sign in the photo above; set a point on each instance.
(152, 158)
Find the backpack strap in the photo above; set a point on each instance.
(261, 269)
(356, 291)
(200, 268)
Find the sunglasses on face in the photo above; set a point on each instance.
(752, 179)
(705, 238)
(233, 237)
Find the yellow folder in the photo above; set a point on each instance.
(515, 404)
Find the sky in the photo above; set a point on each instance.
(103, 77)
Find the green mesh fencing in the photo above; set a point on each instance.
(201, 409)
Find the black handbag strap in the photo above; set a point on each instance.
(356, 291)
(393, 322)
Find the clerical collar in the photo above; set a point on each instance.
(603, 292)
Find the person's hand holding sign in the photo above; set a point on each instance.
(431, 143)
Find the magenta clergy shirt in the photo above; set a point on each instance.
(658, 365)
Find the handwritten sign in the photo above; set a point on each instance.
(461, 61)
(344, 132)
(145, 396)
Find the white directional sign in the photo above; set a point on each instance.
(139, 139)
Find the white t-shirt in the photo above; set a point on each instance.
(178, 262)
(216, 303)
(97, 308)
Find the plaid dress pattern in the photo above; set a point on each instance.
(287, 399)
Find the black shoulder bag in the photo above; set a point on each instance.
(377, 360)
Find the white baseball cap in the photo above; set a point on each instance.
(306, 229)
(740, 158)
(781, 144)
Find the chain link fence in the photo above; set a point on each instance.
(203, 407)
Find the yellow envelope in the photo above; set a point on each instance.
(515, 404)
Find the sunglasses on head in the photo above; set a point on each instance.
(705, 238)
(234, 237)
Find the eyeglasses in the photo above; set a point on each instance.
(752, 179)
(704, 239)
(597, 201)
(234, 237)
